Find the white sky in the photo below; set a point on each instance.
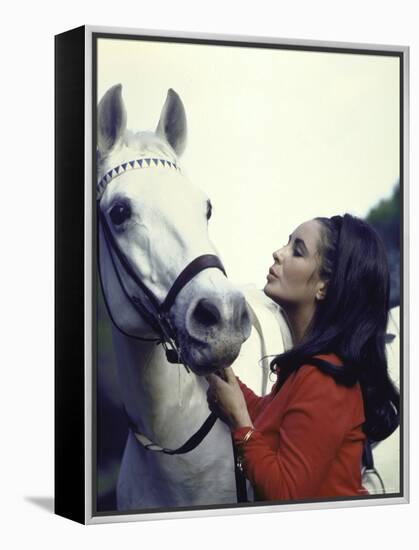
(274, 137)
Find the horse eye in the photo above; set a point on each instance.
(120, 212)
(209, 209)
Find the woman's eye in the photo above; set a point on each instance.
(297, 253)
(120, 213)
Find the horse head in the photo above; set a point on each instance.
(153, 223)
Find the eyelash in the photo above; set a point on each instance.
(295, 250)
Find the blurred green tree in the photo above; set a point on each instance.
(385, 218)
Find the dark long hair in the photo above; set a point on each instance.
(351, 321)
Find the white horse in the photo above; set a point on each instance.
(152, 228)
(153, 223)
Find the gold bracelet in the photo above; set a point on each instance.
(247, 436)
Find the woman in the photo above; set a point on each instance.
(305, 439)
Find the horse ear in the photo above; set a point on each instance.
(172, 123)
(111, 120)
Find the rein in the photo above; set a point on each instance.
(190, 444)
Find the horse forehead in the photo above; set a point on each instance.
(148, 142)
(158, 187)
(134, 146)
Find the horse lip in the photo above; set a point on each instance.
(201, 360)
(205, 370)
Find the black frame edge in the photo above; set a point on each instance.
(69, 384)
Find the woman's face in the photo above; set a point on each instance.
(293, 281)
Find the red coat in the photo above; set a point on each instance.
(308, 439)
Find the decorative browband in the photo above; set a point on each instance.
(132, 165)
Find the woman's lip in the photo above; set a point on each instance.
(272, 274)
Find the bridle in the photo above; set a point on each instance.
(155, 313)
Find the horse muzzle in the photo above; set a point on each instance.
(215, 328)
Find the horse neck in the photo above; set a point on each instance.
(163, 400)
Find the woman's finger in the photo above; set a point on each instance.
(214, 380)
(229, 374)
(210, 379)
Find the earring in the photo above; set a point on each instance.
(320, 295)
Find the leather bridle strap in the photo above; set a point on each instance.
(196, 266)
(241, 488)
(191, 270)
(138, 306)
(156, 314)
(159, 314)
(124, 262)
(191, 444)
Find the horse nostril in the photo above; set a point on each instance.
(206, 313)
(245, 318)
(245, 323)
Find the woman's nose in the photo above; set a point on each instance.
(277, 256)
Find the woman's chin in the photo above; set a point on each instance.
(269, 291)
(274, 296)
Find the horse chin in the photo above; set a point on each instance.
(204, 359)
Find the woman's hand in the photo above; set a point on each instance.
(226, 399)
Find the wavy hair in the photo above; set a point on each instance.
(351, 321)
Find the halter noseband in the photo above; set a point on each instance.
(158, 317)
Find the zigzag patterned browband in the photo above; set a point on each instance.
(132, 165)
